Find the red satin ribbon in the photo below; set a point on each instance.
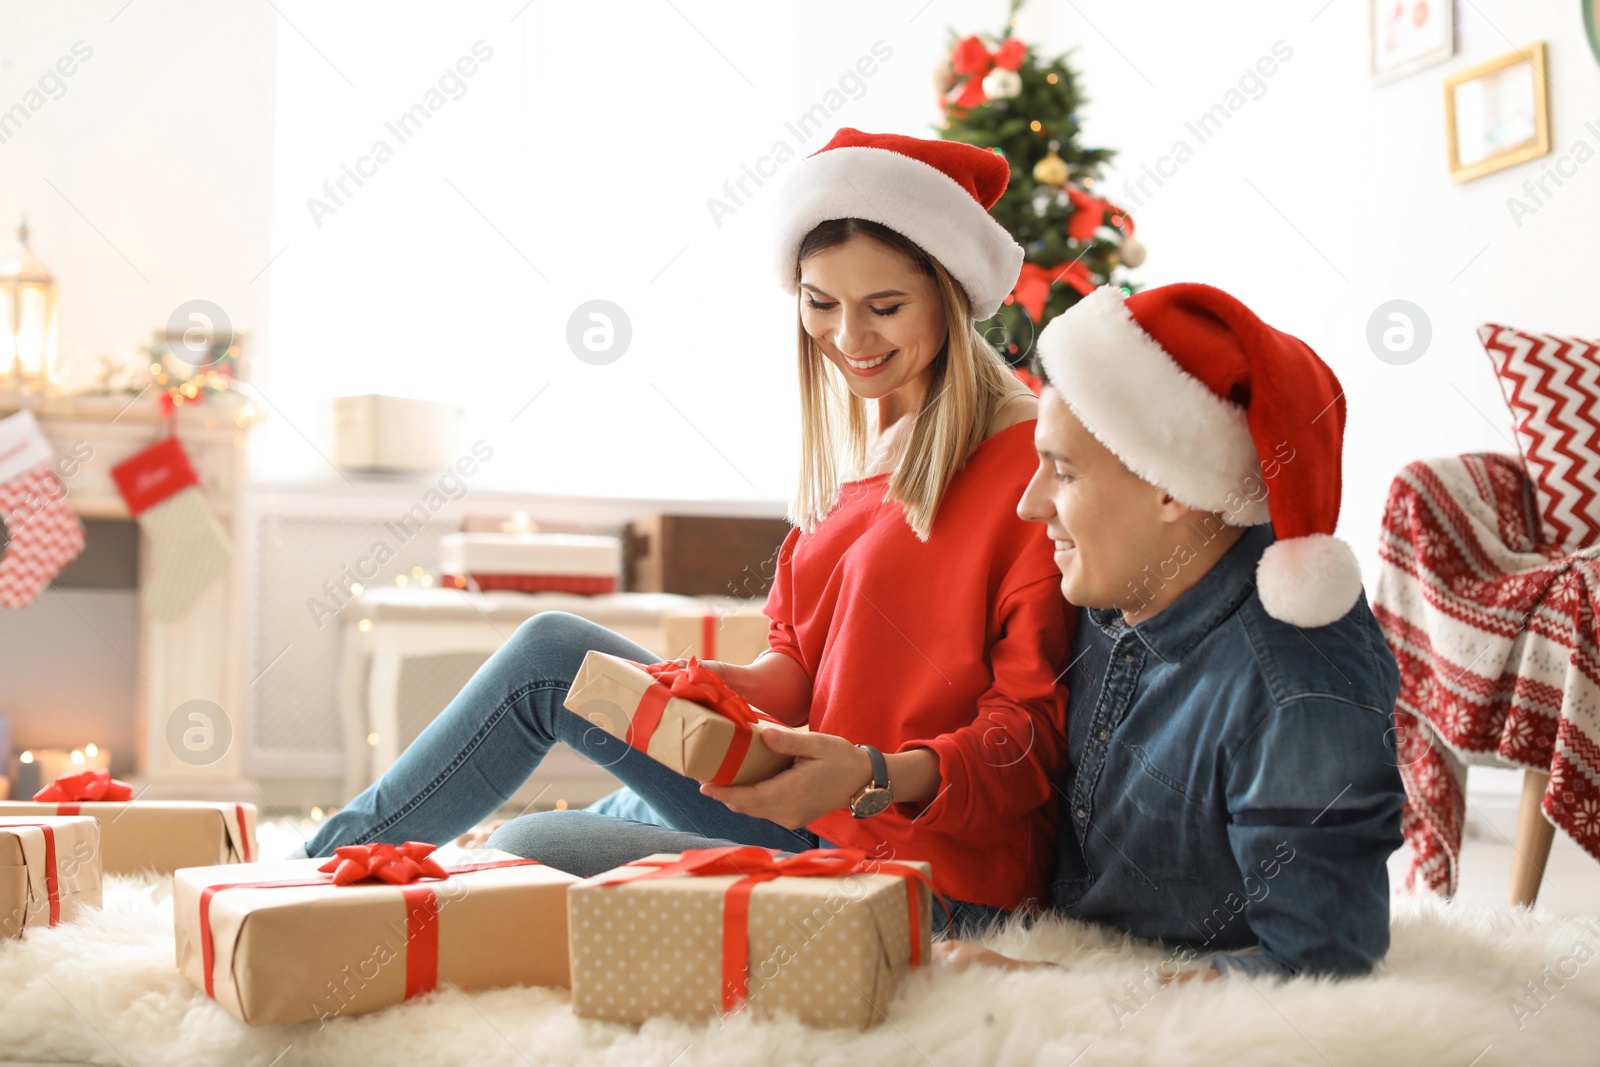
(708, 637)
(244, 832)
(52, 884)
(706, 687)
(421, 902)
(973, 60)
(91, 786)
(759, 865)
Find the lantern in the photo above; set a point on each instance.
(28, 305)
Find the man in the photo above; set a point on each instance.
(1234, 782)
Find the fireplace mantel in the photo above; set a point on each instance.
(197, 657)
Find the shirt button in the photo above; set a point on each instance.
(1104, 734)
(1127, 657)
(1082, 813)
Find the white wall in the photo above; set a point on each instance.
(147, 183)
(164, 142)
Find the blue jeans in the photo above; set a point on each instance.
(491, 737)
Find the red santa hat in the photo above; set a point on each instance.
(937, 193)
(1198, 396)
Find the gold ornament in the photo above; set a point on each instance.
(1051, 170)
(944, 77)
(1131, 252)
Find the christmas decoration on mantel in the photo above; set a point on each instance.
(998, 94)
(171, 381)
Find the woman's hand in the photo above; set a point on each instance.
(827, 772)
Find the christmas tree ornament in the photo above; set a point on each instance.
(44, 534)
(944, 77)
(1052, 206)
(1051, 170)
(1130, 251)
(1002, 84)
(189, 548)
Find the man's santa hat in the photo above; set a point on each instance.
(1194, 393)
(937, 193)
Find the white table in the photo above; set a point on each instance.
(383, 628)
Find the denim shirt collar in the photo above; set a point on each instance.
(1173, 632)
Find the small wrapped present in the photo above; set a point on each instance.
(731, 637)
(827, 935)
(139, 836)
(684, 717)
(49, 871)
(372, 926)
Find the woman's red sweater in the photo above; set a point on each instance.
(954, 644)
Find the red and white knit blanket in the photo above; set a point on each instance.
(1499, 655)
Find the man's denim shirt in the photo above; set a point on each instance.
(1235, 780)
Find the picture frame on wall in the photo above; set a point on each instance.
(1591, 25)
(1408, 35)
(1497, 114)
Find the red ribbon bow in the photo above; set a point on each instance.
(90, 786)
(973, 60)
(701, 684)
(395, 864)
(706, 687)
(759, 865)
(1032, 290)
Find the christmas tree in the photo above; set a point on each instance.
(997, 94)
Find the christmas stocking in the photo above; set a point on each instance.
(44, 533)
(189, 549)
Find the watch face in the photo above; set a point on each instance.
(872, 802)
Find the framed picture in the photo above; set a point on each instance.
(1497, 113)
(1408, 35)
(1591, 23)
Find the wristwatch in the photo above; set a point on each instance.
(874, 797)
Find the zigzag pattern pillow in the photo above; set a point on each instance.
(1553, 387)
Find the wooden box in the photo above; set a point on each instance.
(702, 555)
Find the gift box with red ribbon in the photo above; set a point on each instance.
(685, 717)
(49, 871)
(372, 926)
(732, 636)
(826, 935)
(138, 836)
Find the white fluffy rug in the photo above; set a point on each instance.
(105, 990)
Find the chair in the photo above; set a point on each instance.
(1496, 639)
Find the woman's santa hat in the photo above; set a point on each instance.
(1195, 394)
(937, 193)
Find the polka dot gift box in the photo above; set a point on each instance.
(826, 935)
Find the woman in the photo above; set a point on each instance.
(909, 606)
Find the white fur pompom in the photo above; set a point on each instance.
(1308, 581)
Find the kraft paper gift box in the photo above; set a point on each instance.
(730, 638)
(49, 871)
(719, 929)
(140, 836)
(284, 942)
(709, 744)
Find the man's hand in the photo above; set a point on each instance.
(1210, 974)
(827, 772)
(963, 954)
(715, 666)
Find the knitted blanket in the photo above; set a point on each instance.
(1496, 639)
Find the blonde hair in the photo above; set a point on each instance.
(968, 382)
